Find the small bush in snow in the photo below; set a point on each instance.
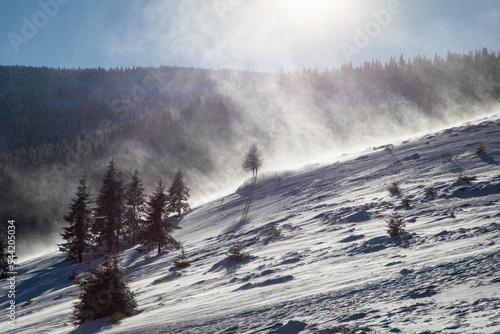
(406, 202)
(467, 178)
(182, 261)
(394, 188)
(480, 150)
(396, 226)
(389, 147)
(447, 156)
(236, 253)
(431, 191)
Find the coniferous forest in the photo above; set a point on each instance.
(60, 128)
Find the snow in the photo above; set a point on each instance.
(320, 256)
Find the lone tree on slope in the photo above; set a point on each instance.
(178, 194)
(158, 224)
(253, 160)
(77, 235)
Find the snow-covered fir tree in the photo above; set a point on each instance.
(104, 293)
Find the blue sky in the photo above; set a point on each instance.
(247, 34)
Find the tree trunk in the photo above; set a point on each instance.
(159, 248)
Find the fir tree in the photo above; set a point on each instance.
(135, 200)
(109, 212)
(178, 194)
(182, 261)
(77, 235)
(104, 293)
(253, 160)
(158, 224)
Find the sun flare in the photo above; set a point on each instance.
(315, 11)
(313, 16)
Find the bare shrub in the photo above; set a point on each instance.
(431, 191)
(394, 188)
(236, 253)
(447, 156)
(467, 178)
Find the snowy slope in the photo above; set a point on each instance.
(320, 254)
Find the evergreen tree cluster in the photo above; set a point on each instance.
(122, 214)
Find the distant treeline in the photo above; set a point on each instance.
(50, 114)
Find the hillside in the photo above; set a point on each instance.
(320, 254)
(56, 123)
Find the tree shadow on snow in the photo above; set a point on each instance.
(54, 277)
(488, 159)
(92, 327)
(244, 216)
(229, 265)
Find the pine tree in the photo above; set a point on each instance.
(253, 160)
(77, 235)
(158, 224)
(135, 200)
(109, 212)
(178, 194)
(104, 293)
(182, 261)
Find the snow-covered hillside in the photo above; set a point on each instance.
(320, 254)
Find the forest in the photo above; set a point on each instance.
(57, 123)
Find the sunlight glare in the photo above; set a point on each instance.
(315, 12)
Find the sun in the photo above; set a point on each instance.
(314, 14)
